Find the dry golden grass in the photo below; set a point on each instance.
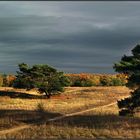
(99, 123)
(72, 99)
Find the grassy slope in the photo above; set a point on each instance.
(103, 122)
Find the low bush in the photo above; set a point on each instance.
(8, 80)
(82, 83)
(40, 107)
(112, 81)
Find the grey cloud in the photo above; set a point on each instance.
(72, 36)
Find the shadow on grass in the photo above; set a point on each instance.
(27, 116)
(21, 95)
(99, 122)
(85, 121)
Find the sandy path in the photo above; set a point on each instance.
(14, 129)
(80, 112)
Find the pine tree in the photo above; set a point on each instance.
(47, 79)
(130, 65)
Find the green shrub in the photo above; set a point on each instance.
(105, 81)
(111, 81)
(117, 82)
(82, 83)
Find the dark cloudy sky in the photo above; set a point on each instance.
(71, 36)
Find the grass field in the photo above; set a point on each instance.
(102, 122)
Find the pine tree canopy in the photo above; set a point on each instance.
(130, 65)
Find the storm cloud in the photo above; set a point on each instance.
(71, 36)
